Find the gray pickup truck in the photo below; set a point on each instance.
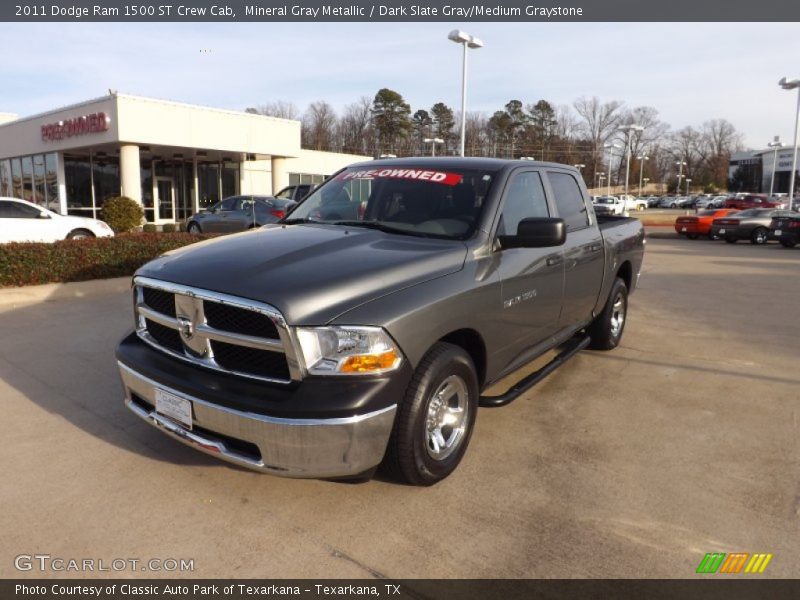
(362, 329)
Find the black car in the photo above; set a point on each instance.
(238, 213)
(751, 224)
(786, 230)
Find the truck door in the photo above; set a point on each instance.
(532, 279)
(583, 250)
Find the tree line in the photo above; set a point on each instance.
(587, 133)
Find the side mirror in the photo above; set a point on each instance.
(44, 215)
(536, 232)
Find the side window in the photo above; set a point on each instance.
(285, 193)
(228, 203)
(524, 199)
(569, 200)
(15, 210)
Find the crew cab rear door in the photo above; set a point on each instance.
(532, 279)
(583, 250)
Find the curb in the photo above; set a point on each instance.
(11, 298)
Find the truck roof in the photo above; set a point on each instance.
(489, 164)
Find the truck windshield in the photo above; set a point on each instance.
(427, 202)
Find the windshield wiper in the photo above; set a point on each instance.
(380, 227)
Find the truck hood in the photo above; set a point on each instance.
(311, 273)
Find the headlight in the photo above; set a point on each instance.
(103, 225)
(347, 350)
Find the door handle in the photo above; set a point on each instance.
(595, 248)
(554, 260)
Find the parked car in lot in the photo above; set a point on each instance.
(694, 226)
(323, 347)
(609, 205)
(710, 201)
(238, 213)
(23, 221)
(295, 192)
(668, 202)
(635, 203)
(786, 229)
(751, 224)
(752, 201)
(653, 201)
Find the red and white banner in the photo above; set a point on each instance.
(414, 174)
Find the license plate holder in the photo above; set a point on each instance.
(722, 232)
(778, 233)
(174, 407)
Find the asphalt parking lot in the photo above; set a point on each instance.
(632, 463)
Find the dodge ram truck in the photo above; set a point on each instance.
(362, 329)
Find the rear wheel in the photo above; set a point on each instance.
(434, 422)
(712, 236)
(194, 228)
(760, 236)
(607, 328)
(79, 234)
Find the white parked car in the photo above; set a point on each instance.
(609, 205)
(22, 221)
(632, 203)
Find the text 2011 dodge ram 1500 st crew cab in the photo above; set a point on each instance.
(362, 329)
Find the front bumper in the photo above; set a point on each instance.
(333, 447)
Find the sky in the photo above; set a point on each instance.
(690, 72)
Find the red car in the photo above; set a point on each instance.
(700, 224)
(752, 201)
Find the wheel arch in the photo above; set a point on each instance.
(625, 272)
(473, 344)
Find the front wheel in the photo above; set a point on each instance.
(434, 422)
(760, 236)
(194, 228)
(79, 234)
(607, 328)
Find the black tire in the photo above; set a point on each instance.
(731, 240)
(760, 236)
(788, 243)
(80, 234)
(194, 228)
(606, 330)
(410, 457)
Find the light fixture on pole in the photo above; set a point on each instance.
(775, 143)
(629, 129)
(467, 41)
(610, 156)
(599, 175)
(641, 160)
(688, 181)
(680, 164)
(433, 142)
(579, 166)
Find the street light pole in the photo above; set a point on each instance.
(641, 160)
(433, 142)
(790, 84)
(688, 181)
(466, 40)
(628, 129)
(610, 156)
(680, 164)
(775, 143)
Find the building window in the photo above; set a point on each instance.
(208, 184)
(27, 179)
(146, 176)
(299, 178)
(105, 177)
(78, 181)
(51, 182)
(16, 178)
(5, 178)
(230, 179)
(39, 188)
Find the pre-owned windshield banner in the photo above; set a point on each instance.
(403, 11)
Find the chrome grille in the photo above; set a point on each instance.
(216, 331)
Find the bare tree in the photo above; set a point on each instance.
(354, 132)
(319, 126)
(598, 121)
(280, 109)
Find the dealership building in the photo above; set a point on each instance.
(752, 170)
(171, 157)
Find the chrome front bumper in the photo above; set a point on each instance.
(287, 447)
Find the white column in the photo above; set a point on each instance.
(62, 183)
(280, 176)
(195, 187)
(129, 172)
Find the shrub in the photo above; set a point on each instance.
(79, 260)
(150, 228)
(169, 228)
(122, 214)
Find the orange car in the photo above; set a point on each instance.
(700, 224)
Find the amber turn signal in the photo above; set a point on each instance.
(365, 363)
